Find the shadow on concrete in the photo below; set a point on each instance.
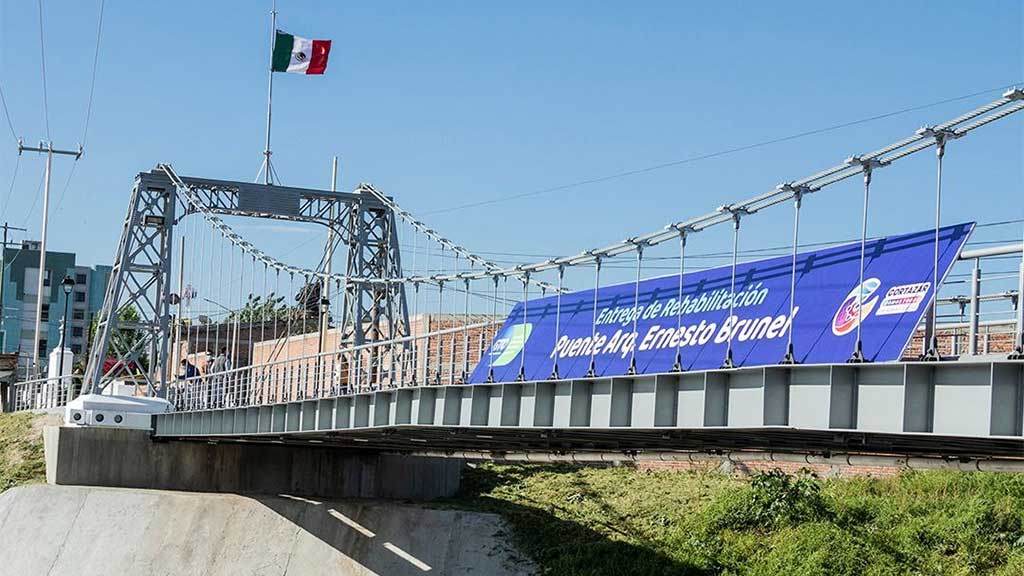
(375, 537)
(609, 547)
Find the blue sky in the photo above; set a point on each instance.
(444, 104)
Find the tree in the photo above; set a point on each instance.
(259, 309)
(304, 317)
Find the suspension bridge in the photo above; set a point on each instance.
(418, 345)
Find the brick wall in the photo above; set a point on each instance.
(991, 340)
(743, 468)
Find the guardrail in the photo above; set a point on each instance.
(441, 357)
(42, 394)
(968, 330)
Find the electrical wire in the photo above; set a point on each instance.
(7, 114)
(42, 54)
(92, 82)
(67, 183)
(716, 154)
(88, 107)
(10, 189)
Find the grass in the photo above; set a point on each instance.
(21, 450)
(613, 521)
(586, 520)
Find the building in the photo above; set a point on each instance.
(20, 277)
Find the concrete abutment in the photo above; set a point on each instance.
(132, 459)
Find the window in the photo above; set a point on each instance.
(78, 314)
(46, 313)
(46, 278)
(76, 331)
(43, 345)
(79, 296)
(76, 349)
(80, 279)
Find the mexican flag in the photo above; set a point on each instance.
(299, 55)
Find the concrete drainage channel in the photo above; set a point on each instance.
(102, 531)
(119, 503)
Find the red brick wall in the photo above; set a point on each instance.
(746, 468)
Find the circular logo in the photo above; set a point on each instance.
(300, 56)
(857, 305)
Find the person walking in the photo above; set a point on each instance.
(221, 364)
(186, 380)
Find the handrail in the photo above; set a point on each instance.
(351, 349)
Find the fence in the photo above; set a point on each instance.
(441, 357)
(42, 394)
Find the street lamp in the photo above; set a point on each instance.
(67, 284)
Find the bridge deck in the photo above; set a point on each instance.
(954, 408)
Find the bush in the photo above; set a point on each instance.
(770, 500)
(595, 521)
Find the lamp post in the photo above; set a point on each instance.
(67, 284)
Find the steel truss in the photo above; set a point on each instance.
(374, 300)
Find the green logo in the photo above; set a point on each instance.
(511, 343)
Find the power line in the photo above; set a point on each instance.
(42, 54)
(7, 114)
(716, 154)
(10, 189)
(67, 183)
(92, 83)
(88, 107)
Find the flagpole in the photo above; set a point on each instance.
(267, 177)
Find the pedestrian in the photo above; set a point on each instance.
(187, 382)
(221, 364)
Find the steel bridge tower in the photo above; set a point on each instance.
(373, 307)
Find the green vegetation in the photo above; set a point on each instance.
(21, 450)
(578, 520)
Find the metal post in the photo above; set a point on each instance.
(558, 321)
(798, 193)
(931, 352)
(465, 335)
(1018, 351)
(867, 166)
(636, 305)
(522, 355)
(325, 317)
(736, 214)
(268, 178)
(592, 370)
(972, 336)
(683, 230)
(494, 314)
(176, 355)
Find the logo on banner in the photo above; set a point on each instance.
(858, 304)
(904, 298)
(511, 343)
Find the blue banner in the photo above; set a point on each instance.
(656, 326)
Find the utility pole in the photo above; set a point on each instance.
(3, 279)
(47, 148)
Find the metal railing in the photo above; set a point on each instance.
(972, 326)
(42, 394)
(446, 356)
